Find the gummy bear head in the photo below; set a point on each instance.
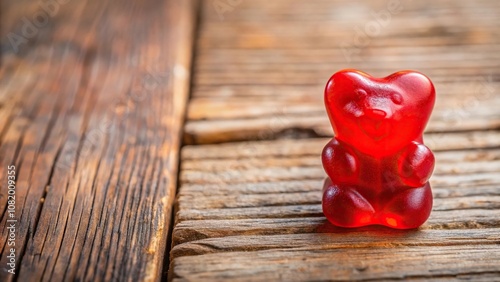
(379, 116)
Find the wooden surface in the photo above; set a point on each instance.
(251, 211)
(91, 107)
(92, 104)
(265, 65)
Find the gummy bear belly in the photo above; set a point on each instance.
(376, 196)
(377, 180)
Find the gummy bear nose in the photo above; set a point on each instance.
(375, 113)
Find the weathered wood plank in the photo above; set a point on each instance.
(314, 210)
(424, 262)
(368, 238)
(339, 10)
(303, 58)
(265, 65)
(313, 146)
(192, 230)
(235, 195)
(268, 117)
(465, 200)
(449, 162)
(251, 211)
(287, 183)
(91, 105)
(307, 126)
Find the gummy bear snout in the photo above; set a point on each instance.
(376, 113)
(374, 128)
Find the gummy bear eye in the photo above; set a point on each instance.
(397, 98)
(360, 93)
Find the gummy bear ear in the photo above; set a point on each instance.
(416, 85)
(341, 83)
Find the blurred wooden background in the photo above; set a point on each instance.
(94, 106)
(92, 100)
(252, 210)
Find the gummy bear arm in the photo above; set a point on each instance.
(416, 165)
(339, 162)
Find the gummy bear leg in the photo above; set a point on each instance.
(408, 209)
(345, 207)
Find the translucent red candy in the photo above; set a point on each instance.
(378, 167)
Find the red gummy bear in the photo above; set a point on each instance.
(378, 167)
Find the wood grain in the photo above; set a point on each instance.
(340, 239)
(243, 206)
(251, 211)
(265, 65)
(422, 262)
(91, 109)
